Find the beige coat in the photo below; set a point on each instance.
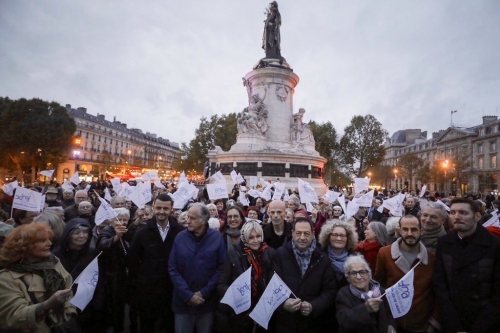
(17, 311)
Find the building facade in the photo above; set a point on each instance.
(102, 147)
(459, 160)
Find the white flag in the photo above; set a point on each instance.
(87, 282)
(266, 194)
(183, 178)
(341, 200)
(218, 177)
(253, 181)
(243, 199)
(239, 294)
(364, 200)
(443, 205)
(394, 205)
(279, 188)
(217, 191)
(361, 184)
(422, 192)
(115, 182)
(47, 173)
(276, 293)
(352, 209)
(28, 200)
(158, 184)
(306, 192)
(286, 197)
(10, 187)
(75, 179)
(67, 186)
(107, 195)
(254, 193)
(104, 212)
(492, 222)
(234, 176)
(400, 295)
(239, 178)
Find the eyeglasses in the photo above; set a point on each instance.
(362, 273)
(338, 236)
(229, 217)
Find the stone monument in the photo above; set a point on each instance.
(273, 141)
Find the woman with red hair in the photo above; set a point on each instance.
(34, 287)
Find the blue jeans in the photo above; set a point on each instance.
(186, 322)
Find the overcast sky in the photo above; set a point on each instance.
(161, 65)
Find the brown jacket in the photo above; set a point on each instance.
(17, 311)
(392, 266)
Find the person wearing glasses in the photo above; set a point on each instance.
(232, 230)
(359, 306)
(338, 240)
(394, 261)
(306, 270)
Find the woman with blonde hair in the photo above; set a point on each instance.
(34, 287)
(249, 251)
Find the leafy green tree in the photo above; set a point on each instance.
(214, 131)
(34, 133)
(423, 174)
(326, 140)
(410, 164)
(381, 175)
(362, 145)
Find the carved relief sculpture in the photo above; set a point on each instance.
(253, 119)
(282, 92)
(301, 133)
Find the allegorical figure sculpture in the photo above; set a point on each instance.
(271, 39)
(253, 119)
(301, 133)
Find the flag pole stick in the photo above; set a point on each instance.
(418, 263)
(83, 270)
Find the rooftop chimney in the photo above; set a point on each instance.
(489, 119)
(84, 110)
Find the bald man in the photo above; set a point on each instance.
(276, 231)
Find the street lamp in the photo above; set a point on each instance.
(129, 153)
(445, 168)
(396, 178)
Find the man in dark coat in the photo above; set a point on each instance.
(308, 273)
(71, 212)
(148, 264)
(467, 273)
(276, 231)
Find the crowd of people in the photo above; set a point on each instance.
(165, 270)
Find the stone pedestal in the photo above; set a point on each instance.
(283, 149)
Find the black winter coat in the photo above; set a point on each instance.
(236, 264)
(148, 267)
(112, 267)
(353, 317)
(317, 287)
(467, 282)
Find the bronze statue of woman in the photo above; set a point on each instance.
(271, 39)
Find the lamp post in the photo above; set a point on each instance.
(129, 153)
(445, 168)
(396, 178)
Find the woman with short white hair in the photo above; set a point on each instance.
(359, 305)
(249, 251)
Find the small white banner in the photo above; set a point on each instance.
(217, 191)
(276, 293)
(10, 187)
(306, 192)
(47, 173)
(75, 179)
(361, 184)
(239, 294)
(28, 200)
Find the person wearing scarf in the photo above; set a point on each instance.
(359, 306)
(232, 231)
(28, 265)
(433, 218)
(249, 251)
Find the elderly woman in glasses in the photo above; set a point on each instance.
(359, 305)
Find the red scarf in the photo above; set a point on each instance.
(256, 262)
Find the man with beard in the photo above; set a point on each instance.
(395, 260)
(467, 273)
(276, 231)
(148, 265)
